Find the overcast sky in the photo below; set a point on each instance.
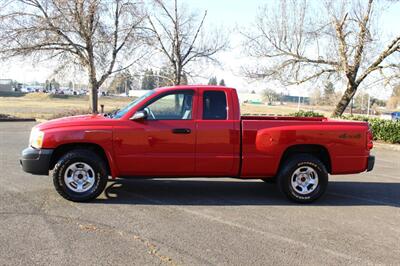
(221, 13)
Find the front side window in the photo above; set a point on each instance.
(214, 105)
(174, 106)
(123, 111)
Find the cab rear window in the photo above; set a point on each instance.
(214, 105)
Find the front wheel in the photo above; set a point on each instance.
(80, 175)
(303, 178)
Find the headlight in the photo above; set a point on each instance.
(36, 138)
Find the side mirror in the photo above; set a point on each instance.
(139, 115)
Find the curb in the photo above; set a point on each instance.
(17, 120)
(387, 146)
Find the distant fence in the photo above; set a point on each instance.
(11, 94)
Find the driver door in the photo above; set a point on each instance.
(164, 143)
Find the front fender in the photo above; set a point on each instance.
(56, 137)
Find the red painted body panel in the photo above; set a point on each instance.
(95, 130)
(264, 143)
(149, 148)
(247, 147)
(218, 141)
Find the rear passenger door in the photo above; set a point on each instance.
(218, 139)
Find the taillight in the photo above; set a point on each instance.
(370, 138)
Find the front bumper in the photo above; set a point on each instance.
(36, 161)
(371, 163)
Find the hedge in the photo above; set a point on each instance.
(385, 130)
(302, 113)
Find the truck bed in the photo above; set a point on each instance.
(265, 139)
(260, 117)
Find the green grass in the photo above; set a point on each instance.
(47, 106)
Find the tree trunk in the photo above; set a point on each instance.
(345, 100)
(94, 85)
(177, 78)
(93, 96)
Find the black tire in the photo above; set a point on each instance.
(301, 162)
(85, 156)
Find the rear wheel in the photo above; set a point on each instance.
(80, 175)
(303, 178)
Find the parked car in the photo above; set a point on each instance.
(391, 116)
(196, 131)
(396, 116)
(386, 116)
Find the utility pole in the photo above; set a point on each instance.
(362, 100)
(351, 106)
(298, 105)
(369, 104)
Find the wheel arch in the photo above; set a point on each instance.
(319, 151)
(96, 148)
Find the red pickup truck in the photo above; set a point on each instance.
(196, 131)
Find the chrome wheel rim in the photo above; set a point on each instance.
(304, 180)
(79, 177)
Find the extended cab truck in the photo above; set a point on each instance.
(195, 131)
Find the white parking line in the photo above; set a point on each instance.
(388, 176)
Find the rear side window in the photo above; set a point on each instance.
(214, 105)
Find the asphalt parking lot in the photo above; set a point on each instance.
(196, 221)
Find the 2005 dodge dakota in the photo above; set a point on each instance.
(195, 131)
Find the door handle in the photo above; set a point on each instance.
(181, 131)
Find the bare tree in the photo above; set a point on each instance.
(300, 44)
(180, 37)
(394, 100)
(269, 95)
(93, 34)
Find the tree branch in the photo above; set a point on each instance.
(390, 49)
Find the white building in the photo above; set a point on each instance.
(136, 93)
(249, 97)
(6, 85)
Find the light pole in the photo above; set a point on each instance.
(298, 105)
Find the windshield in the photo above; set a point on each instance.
(126, 109)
